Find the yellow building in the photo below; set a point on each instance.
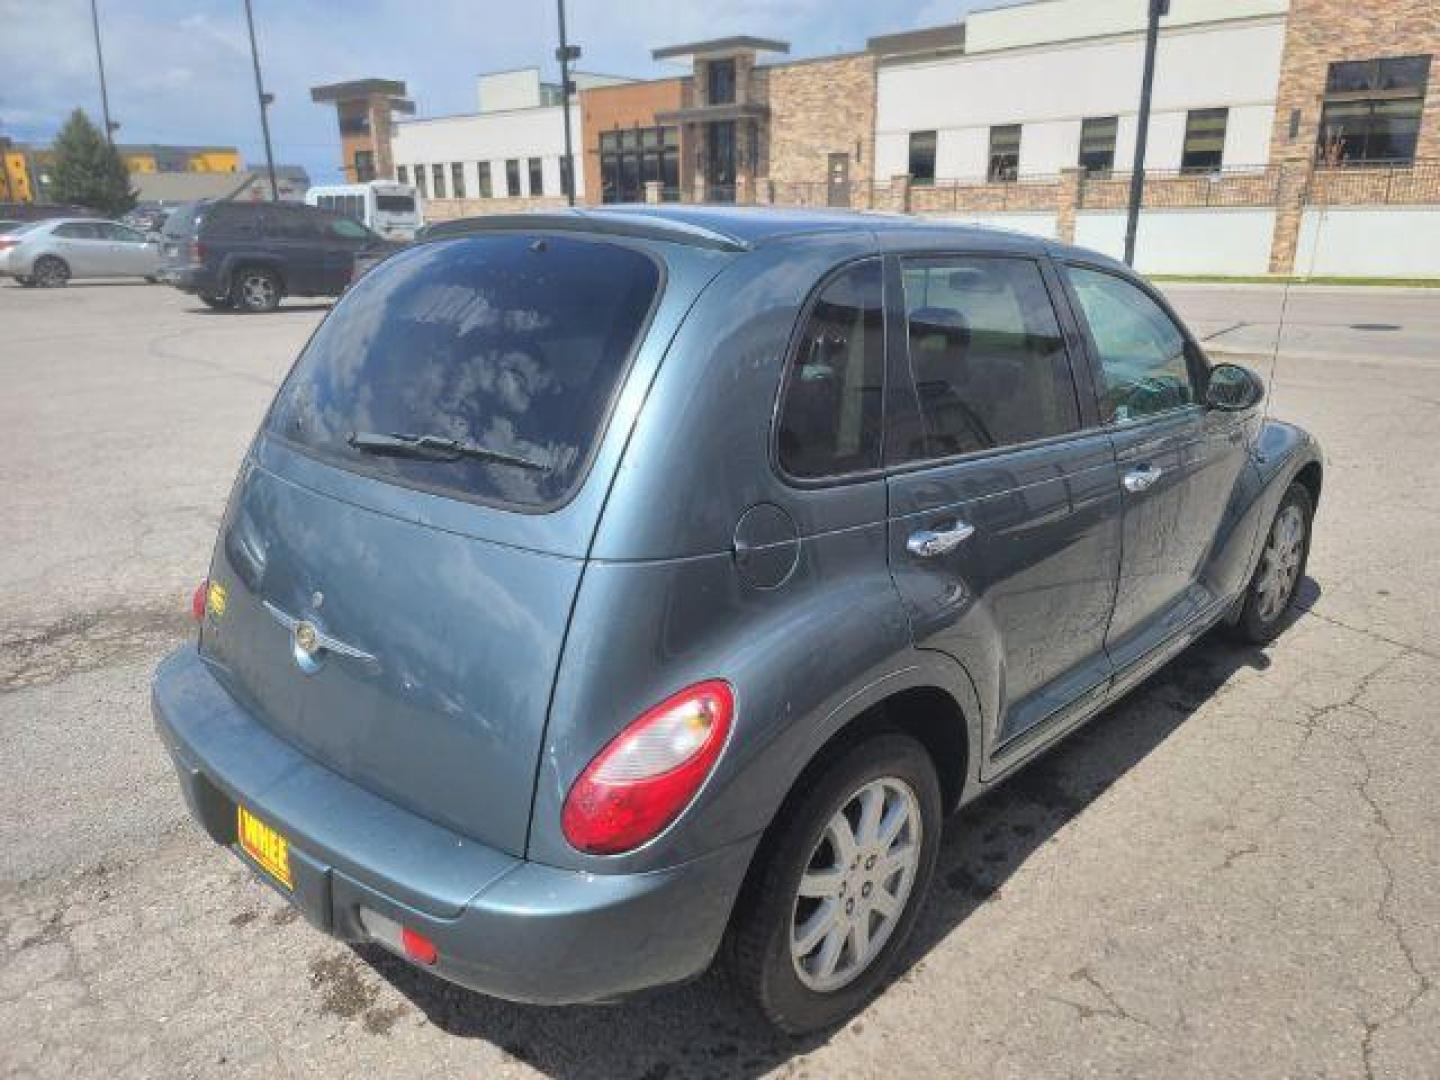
(23, 177)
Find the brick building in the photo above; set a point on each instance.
(365, 110)
(1285, 135)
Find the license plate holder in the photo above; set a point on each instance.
(266, 846)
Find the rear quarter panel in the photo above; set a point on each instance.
(661, 604)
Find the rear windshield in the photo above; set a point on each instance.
(395, 204)
(507, 343)
(182, 221)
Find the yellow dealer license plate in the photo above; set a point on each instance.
(266, 846)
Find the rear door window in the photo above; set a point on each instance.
(831, 405)
(507, 347)
(987, 356)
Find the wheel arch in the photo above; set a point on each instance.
(239, 263)
(1311, 476)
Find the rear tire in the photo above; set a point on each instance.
(830, 837)
(50, 272)
(1277, 578)
(255, 289)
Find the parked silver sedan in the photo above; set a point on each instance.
(51, 253)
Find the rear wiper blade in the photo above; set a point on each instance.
(437, 448)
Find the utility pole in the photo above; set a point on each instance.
(566, 54)
(1142, 134)
(100, 63)
(265, 101)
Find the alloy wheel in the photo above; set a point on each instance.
(1280, 563)
(51, 273)
(856, 884)
(257, 291)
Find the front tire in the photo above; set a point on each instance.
(838, 884)
(255, 289)
(50, 272)
(1272, 588)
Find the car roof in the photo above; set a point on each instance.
(741, 228)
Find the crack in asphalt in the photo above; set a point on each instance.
(87, 641)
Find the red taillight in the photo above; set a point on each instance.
(647, 775)
(6, 244)
(418, 947)
(197, 252)
(197, 602)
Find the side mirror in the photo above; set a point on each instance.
(1233, 388)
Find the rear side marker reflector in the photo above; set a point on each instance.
(410, 944)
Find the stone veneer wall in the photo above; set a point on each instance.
(449, 209)
(818, 108)
(1317, 33)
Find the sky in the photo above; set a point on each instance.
(178, 71)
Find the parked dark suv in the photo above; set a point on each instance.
(607, 591)
(248, 256)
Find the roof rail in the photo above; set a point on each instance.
(610, 223)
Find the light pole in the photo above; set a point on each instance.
(1137, 171)
(110, 126)
(566, 54)
(265, 100)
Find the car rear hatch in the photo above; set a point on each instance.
(400, 554)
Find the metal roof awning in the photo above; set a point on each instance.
(716, 47)
(703, 114)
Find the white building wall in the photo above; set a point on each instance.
(1051, 88)
(1214, 241)
(1370, 241)
(494, 137)
(1058, 20)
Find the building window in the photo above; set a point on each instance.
(457, 179)
(537, 177)
(1204, 140)
(720, 82)
(364, 166)
(420, 181)
(633, 158)
(922, 157)
(402, 174)
(567, 180)
(355, 124)
(437, 179)
(483, 169)
(1372, 110)
(1004, 153)
(1097, 143)
(512, 177)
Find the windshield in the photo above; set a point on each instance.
(506, 343)
(395, 204)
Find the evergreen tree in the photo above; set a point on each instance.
(88, 170)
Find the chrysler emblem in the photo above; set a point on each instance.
(306, 637)
(310, 644)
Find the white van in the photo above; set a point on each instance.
(384, 207)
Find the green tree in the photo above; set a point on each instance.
(88, 170)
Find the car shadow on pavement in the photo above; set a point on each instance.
(283, 309)
(703, 1028)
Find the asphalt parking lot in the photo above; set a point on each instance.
(1234, 873)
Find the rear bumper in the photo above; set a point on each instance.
(189, 278)
(503, 925)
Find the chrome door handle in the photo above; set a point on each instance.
(927, 543)
(1138, 480)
